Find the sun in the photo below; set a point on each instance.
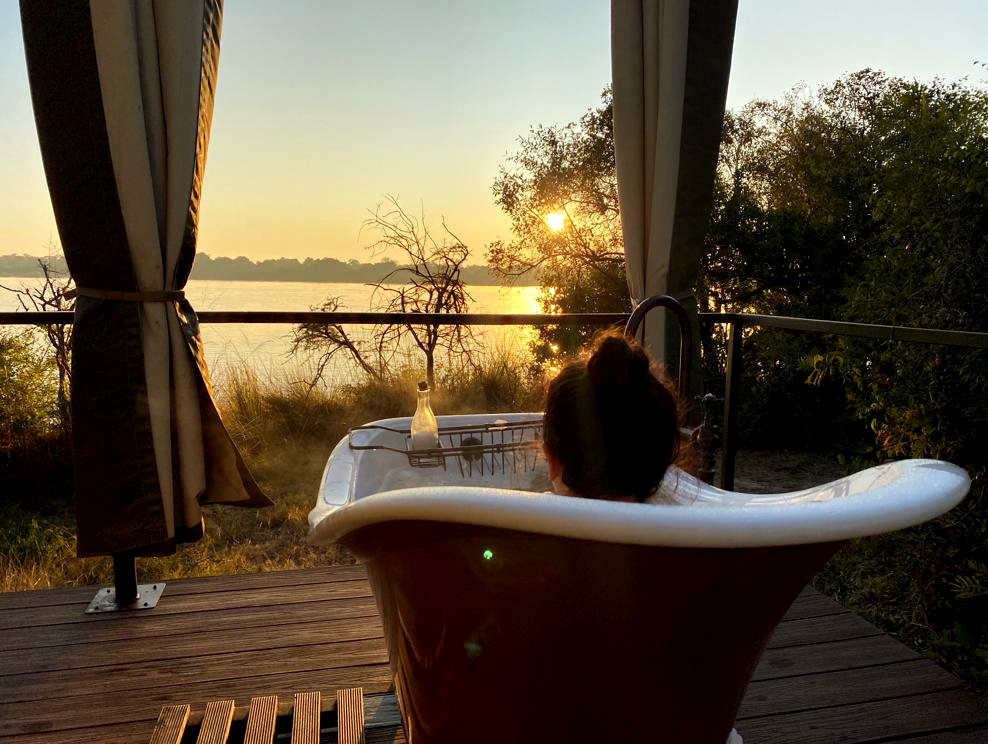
(556, 221)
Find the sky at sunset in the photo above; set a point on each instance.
(324, 107)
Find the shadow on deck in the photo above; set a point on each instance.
(827, 675)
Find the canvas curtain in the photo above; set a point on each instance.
(123, 95)
(670, 64)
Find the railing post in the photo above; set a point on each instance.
(732, 392)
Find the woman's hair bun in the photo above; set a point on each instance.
(616, 361)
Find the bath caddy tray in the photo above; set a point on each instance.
(497, 447)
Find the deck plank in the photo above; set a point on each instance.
(382, 721)
(109, 679)
(350, 716)
(198, 585)
(805, 631)
(872, 721)
(975, 735)
(182, 648)
(826, 675)
(147, 624)
(131, 732)
(305, 718)
(27, 617)
(792, 694)
(831, 657)
(396, 736)
(813, 604)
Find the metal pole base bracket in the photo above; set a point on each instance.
(106, 599)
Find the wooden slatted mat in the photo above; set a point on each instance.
(216, 722)
(171, 724)
(261, 720)
(305, 721)
(350, 715)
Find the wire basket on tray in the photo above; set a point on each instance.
(494, 448)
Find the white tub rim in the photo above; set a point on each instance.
(880, 499)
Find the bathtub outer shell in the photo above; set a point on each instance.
(506, 636)
(520, 617)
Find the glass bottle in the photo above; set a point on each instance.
(425, 428)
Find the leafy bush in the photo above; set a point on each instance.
(868, 202)
(35, 457)
(778, 409)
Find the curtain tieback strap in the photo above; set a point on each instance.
(166, 295)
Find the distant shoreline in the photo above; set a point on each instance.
(327, 270)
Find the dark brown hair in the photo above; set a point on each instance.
(611, 423)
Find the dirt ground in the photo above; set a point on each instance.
(761, 471)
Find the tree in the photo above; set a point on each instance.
(430, 282)
(566, 171)
(929, 201)
(327, 340)
(791, 227)
(865, 202)
(791, 220)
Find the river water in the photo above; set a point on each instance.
(264, 348)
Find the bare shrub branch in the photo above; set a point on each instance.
(429, 281)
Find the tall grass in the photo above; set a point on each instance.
(285, 428)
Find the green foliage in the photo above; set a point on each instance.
(778, 410)
(26, 393)
(916, 584)
(791, 223)
(35, 462)
(974, 586)
(790, 217)
(565, 170)
(34, 547)
(867, 203)
(569, 288)
(50, 296)
(929, 202)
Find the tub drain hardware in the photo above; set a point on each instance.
(493, 448)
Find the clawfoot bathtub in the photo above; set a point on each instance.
(517, 616)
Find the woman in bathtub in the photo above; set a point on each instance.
(611, 426)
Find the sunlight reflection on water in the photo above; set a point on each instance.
(265, 347)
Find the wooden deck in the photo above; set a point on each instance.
(65, 677)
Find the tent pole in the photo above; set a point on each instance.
(125, 594)
(125, 578)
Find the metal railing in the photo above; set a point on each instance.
(736, 322)
(348, 318)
